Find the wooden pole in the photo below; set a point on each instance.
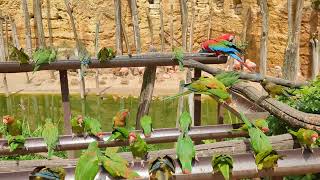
(191, 25)
(38, 16)
(96, 50)
(135, 21)
(180, 103)
(210, 19)
(161, 27)
(150, 25)
(315, 57)
(7, 39)
(3, 55)
(184, 22)
(190, 97)
(126, 39)
(197, 102)
(264, 37)
(171, 25)
(50, 32)
(119, 47)
(27, 27)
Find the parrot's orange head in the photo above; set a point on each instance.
(132, 137)
(265, 129)
(314, 137)
(227, 37)
(7, 119)
(80, 120)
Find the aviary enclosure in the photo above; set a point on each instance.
(228, 126)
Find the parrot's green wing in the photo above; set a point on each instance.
(92, 126)
(185, 122)
(224, 168)
(15, 142)
(146, 125)
(50, 134)
(178, 55)
(185, 152)
(118, 169)
(177, 95)
(88, 164)
(222, 163)
(139, 148)
(115, 156)
(221, 94)
(119, 133)
(228, 78)
(269, 162)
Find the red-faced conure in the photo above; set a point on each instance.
(77, 126)
(262, 124)
(185, 122)
(146, 125)
(186, 152)
(119, 133)
(120, 119)
(93, 127)
(43, 56)
(88, 164)
(162, 168)
(50, 134)
(138, 148)
(222, 163)
(13, 126)
(44, 173)
(306, 137)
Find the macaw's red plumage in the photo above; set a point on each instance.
(225, 37)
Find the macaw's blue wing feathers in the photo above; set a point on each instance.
(236, 57)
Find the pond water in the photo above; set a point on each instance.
(35, 108)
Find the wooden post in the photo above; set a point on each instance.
(190, 97)
(7, 39)
(96, 50)
(38, 18)
(171, 24)
(27, 27)
(119, 47)
(150, 26)
(3, 55)
(197, 102)
(15, 40)
(264, 37)
(184, 22)
(315, 57)
(180, 103)
(220, 110)
(191, 25)
(126, 39)
(210, 19)
(162, 27)
(135, 21)
(50, 33)
(291, 65)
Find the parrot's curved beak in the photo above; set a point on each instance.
(265, 130)
(314, 137)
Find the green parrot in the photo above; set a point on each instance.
(18, 55)
(178, 56)
(222, 163)
(138, 147)
(185, 122)
(186, 152)
(265, 155)
(43, 56)
(93, 127)
(117, 166)
(77, 126)
(105, 54)
(15, 142)
(146, 125)
(211, 86)
(50, 134)
(88, 164)
(306, 137)
(119, 133)
(84, 57)
(12, 127)
(43, 173)
(262, 124)
(162, 168)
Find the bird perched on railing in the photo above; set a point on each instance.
(43, 56)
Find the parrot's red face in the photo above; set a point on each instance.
(227, 37)
(7, 119)
(132, 137)
(314, 137)
(80, 120)
(265, 129)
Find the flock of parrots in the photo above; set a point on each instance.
(162, 167)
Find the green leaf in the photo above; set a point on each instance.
(225, 170)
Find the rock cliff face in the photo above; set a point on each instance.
(227, 16)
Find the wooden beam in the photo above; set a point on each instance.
(65, 101)
(197, 102)
(117, 4)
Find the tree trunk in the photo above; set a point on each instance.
(27, 27)
(162, 27)
(184, 22)
(210, 19)
(15, 40)
(50, 33)
(117, 4)
(38, 16)
(315, 57)
(264, 37)
(3, 55)
(171, 24)
(135, 21)
(96, 50)
(291, 64)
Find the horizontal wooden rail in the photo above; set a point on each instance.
(121, 61)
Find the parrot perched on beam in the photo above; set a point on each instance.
(186, 152)
(77, 126)
(262, 124)
(205, 45)
(43, 173)
(162, 168)
(120, 119)
(50, 134)
(13, 127)
(265, 156)
(306, 137)
(185, 122)
(19, 55)
(222, 163)
(138, 147)
(119, 133)
(43, 56)
(211, 86)
(275, 89)
(93, 127)
(117, 166)
(146, 125)
(84, 57)
(106, 54)
(178, 56)
(15, 142)
(88, 164)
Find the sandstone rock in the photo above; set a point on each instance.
(74, 82)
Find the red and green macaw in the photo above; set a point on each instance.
(205, 45)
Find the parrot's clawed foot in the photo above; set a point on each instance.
(142, 163)
(85, 135)
(311, 149)
(132, 164)
(196, 158)
(302, 149)
(73, 135)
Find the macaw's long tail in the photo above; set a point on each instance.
(241, 61)
(177, 95)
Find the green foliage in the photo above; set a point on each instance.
(276, 126)
(315, 4)
(303, 177)
(222, 163)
